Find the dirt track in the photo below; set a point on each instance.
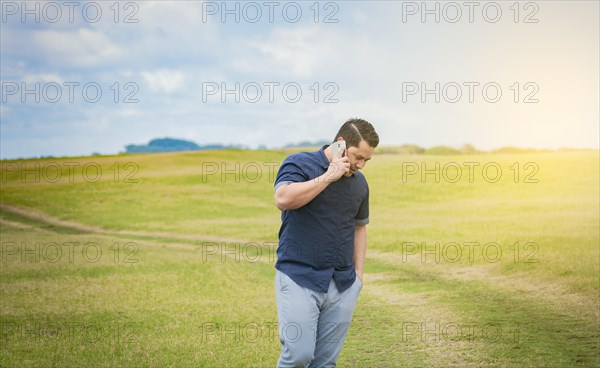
(87, 229)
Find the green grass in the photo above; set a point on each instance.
(160, 293)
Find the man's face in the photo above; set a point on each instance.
(358, 156)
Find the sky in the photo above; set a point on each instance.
(83, 77)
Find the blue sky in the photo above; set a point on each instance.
(506, 73)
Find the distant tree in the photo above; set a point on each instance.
(412, 149)
(442, 150)
(519, 150)
(468, 148)
(319, 143)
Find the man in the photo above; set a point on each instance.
(322, 245)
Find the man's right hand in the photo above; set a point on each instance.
(338, 167)
(295, 195)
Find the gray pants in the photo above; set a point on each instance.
(312, 325)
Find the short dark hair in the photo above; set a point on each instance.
(356, 130)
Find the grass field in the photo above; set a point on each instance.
(166, 260)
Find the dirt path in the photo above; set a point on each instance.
(18, 225)
(556, 296)
(87, 229)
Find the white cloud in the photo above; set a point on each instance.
(128, 112)
(43, 77)
(164, 80)
(295, 51)
(81, 47)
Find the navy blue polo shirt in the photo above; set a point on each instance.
(316, 241)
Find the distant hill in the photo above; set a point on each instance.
(172, 145)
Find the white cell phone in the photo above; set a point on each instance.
(337, 146)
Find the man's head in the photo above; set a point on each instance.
(361, 140)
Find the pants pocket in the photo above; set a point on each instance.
(284, 283)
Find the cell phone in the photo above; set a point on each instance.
(337, 146)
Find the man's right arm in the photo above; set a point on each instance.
(295, 195)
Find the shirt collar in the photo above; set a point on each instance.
(323, 158)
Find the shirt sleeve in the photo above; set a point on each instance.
(362, 217)
(289, 172)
